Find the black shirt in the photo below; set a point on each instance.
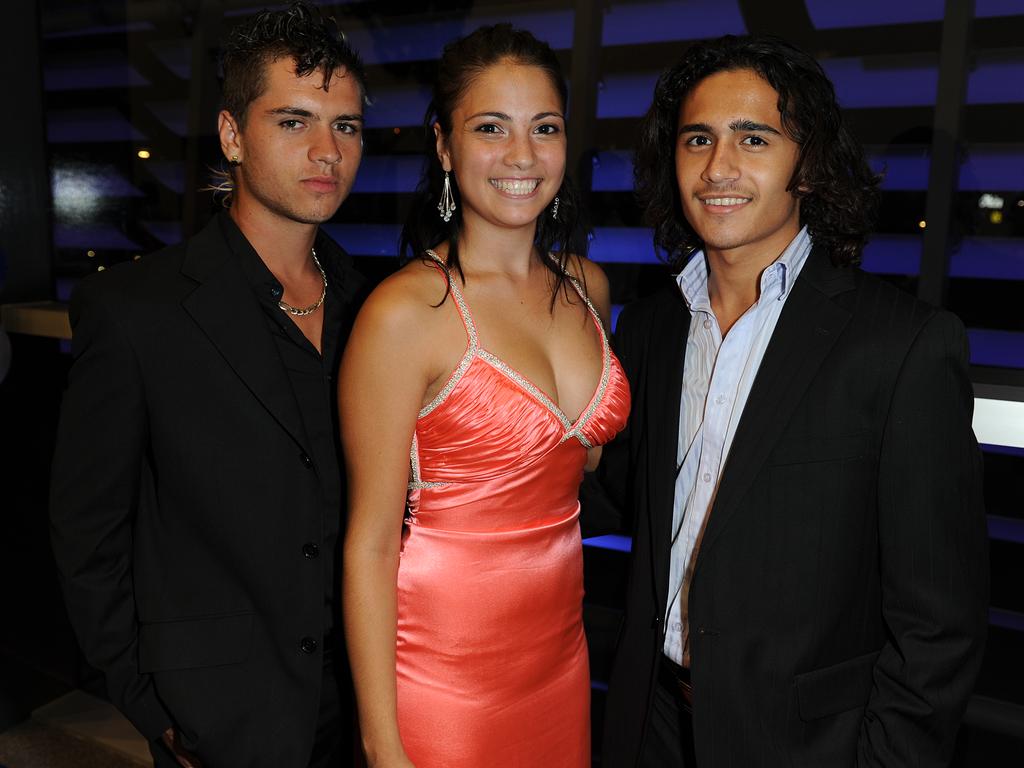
(312, 376)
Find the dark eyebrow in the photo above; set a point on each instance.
(496, 115)
(750, 125)
(695, 128)
(294, 111)
(735, 125)
(546, 115)
(299, 112)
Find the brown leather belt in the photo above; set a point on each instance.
(677, 679)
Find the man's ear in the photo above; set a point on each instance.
(230, 137)
(442, 148)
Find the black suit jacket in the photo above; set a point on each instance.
(839, 601)
(183, 495)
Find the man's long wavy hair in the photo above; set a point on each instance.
(837, 190)
(462, 62)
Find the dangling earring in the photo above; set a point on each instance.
(554, 208)
(446, 206)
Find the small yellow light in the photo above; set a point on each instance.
(136, 257)
(144, 154)
(922, 224)
(1020, 203)
(397, 131)
(996, 217)
(90, 253)
(100, 268)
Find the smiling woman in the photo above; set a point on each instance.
(477, 385)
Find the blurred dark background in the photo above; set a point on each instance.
(110, 138)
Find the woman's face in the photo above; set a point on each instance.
(507, 146)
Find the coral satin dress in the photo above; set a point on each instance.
(491, 658)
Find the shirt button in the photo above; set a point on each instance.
(720, 400)
(306, 461)
(707, 477)
(308, 645)
(275, 292)
(707, 325)
(310, 550)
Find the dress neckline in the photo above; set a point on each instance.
(475, 350)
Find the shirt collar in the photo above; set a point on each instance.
(776, 280)
(259, 276)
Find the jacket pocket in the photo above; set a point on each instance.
(831, 690)
(207, 641)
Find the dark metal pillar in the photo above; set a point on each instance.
(26, 260)
(586, 51)
(944, 171)
(203, 98)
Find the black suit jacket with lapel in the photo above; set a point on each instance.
(838, 606)
(183, 495)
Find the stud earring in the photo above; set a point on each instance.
(446, 205)
(554, 208)
(234, 160)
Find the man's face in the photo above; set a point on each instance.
(733, 163)
(300, 147)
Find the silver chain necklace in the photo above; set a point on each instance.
(303, 311)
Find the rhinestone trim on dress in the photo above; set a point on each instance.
(606, 369)
(526, 384)
(414, 466)
(473, 350)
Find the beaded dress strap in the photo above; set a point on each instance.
(460, 302)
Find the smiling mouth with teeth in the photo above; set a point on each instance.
(521, 187)
(725, 201)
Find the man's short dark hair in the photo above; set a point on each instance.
(300, 33)
(837, 190)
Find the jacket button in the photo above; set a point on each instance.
(308, 645)
(307, 462)
(310, 550)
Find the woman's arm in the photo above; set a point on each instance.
(384, 374)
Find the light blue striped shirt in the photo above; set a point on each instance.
(717, 376)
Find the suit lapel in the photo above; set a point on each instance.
(668, 349)
(225, 308)
(808, 328)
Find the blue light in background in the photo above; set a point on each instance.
(96, 236)
(366, 239)
(384, 173)
(424, 41)
(829, 14)
(610, 541)
(399, 107)
(90, 70)
(668, 20)
(997, 348)
(625, 95)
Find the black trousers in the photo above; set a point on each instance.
(334, 744)
(669, 738)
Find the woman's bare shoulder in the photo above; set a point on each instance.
(593, 280)
(409, 296)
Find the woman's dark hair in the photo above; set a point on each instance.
(461, 63)
(300, 33)
(837, 190)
